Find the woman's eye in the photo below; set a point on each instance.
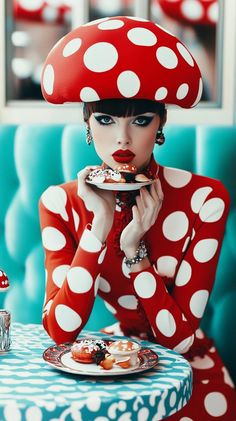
(104, 119)
(143, 121)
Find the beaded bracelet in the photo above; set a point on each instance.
(140, 254)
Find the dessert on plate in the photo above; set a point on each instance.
(122, 173)
(122, 353)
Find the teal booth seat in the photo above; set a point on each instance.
(36, 156)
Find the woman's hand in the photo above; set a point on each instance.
(100, 202)
(145, 213)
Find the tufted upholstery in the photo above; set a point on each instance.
(34, 157)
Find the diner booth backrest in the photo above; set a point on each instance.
(36, 156)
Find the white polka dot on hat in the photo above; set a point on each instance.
(121, 57)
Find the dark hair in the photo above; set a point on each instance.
(123, 107)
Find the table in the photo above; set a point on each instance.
(32, 390)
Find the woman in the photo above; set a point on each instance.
(162, 244)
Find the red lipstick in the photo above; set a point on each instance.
(123, 156)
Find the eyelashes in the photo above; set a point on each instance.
(104, 120)
(141, 121)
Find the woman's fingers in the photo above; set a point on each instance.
(81, 177)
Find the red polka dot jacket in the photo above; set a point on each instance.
(164, 303)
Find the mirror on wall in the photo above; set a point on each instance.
(34, 26)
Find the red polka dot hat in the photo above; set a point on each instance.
(201, 12)
(121, 57)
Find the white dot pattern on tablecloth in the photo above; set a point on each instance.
(104, 285)
(72, 47)
(53, 239)
(128, 83)
(212, 210)
(67, 318)
(172, 399)
(48, 79)
(198, 302)
(184, 274)
(93, 403)
(166, 323)
(205, 250)
(79, 280)
(142, 36)
(166, 266)
(199, 197)
(175, 226)
(145, 285)
(192, 9)
(88, 94)
(55, 199)
(167, 57)
(125, 269)
(129, 302)
(101, 57)
(59, 274)
(215, 404)
(111, 24)
(34, 413)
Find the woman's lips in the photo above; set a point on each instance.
(123, 156)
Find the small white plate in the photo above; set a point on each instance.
(120, 186)
(60, 357)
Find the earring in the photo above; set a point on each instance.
(89, 137)
(160, 137)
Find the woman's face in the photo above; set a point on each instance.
(124, 139)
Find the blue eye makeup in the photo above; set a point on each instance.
(143, 121)
(103, 119)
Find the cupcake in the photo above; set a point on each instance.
(125, 351)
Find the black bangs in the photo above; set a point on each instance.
(123, 107)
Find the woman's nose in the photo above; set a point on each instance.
(123, 138)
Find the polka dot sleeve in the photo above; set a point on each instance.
(175, 314)
(72, 269)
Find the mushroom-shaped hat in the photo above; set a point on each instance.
(4, 283)
(200, 12)
(47, 11)
(121, 57)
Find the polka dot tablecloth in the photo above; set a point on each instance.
(32, 390)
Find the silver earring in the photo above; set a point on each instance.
(160, 137)
(89, 137)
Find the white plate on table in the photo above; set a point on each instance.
(60, 357)
(121, 186)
